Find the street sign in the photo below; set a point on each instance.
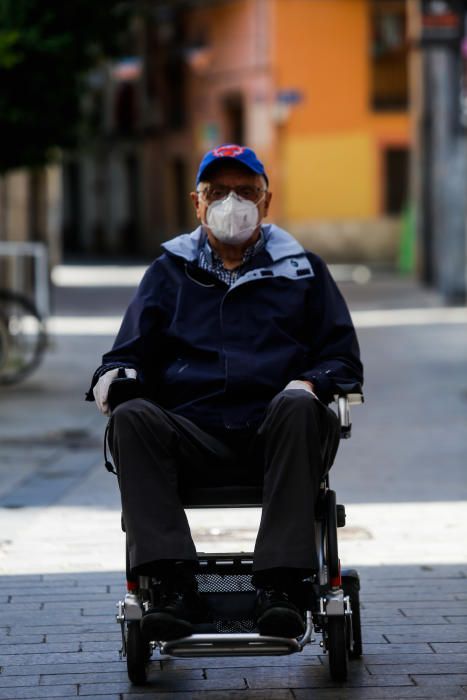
(289, 96)
(441, 21)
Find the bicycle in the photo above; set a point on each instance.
(23, 337)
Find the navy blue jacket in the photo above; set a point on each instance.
(217, 354)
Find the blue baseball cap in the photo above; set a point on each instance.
(231, 151)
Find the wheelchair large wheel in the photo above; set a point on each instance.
(138, 653)
(332, 553)
(351, 587)
(337, 647)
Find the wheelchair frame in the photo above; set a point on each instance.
(329, 599)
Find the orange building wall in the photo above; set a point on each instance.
(330, 146)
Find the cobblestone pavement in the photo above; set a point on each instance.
(402, 478)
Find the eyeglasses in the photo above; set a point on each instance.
(214, 193)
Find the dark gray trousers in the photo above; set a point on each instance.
(155, 451)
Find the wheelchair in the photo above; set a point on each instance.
(329, 599)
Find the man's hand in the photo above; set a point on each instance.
(101, 390)
(301, 384)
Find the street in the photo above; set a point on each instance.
(401, 476)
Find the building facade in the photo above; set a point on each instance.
(317, 87)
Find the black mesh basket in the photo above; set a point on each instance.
(231, 598)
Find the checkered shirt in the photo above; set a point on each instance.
(209, 260)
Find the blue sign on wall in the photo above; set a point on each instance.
(289, 97)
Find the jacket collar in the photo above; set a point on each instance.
(278, 244)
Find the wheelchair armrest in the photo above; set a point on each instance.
(349, 394)
(349, 389)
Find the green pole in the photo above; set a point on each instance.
(406, 261)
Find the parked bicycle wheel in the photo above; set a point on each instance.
(23, 337)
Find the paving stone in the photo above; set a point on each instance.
(63, 629)
(49, 598)
(26, 582)
(41, 617)
(417, 668)
(107, 645)
(388, 693)
(112, 637)
(398, 619)
(449, 647)
(84, 678)
(374, 635)
(35, 649)
(210, 695)
(21, 639)
(313, 670)
(410, 596)
(431, 680)
(49, 590)
(319, 678)
(425, 659)
(104, 696)
(62, 691)
(397, 648)
(91, 578)
(432, 633)
(18, 681)
(56, 658)
(86, 667)
(411, 574)
(11, 607)
(415, 607)
(97, 618)
(103, 607)
(171, 684)
(444, 583)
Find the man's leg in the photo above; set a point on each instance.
(299, 438)
(151, 447)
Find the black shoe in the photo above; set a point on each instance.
(174, 616)
(276, 616)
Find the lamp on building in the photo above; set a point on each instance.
(127, 69)
(198, 57)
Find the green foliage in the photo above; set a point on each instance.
(46, 48)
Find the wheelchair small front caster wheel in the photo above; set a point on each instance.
(337, 647)
(138, 653)
(351, 586)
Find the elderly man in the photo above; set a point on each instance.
(239, 338)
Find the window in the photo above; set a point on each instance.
(389, 55)
(234, 118)
(396, 178)
(125, 108)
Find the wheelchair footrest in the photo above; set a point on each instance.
(229, 645)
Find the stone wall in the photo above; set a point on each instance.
(368, 241)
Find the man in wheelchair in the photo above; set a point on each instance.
(236, 340)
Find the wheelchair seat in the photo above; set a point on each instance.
(235, 496)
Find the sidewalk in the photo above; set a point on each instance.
(402, 478)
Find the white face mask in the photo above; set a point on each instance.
(233, 219)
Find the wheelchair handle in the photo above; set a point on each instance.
(344, 401)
